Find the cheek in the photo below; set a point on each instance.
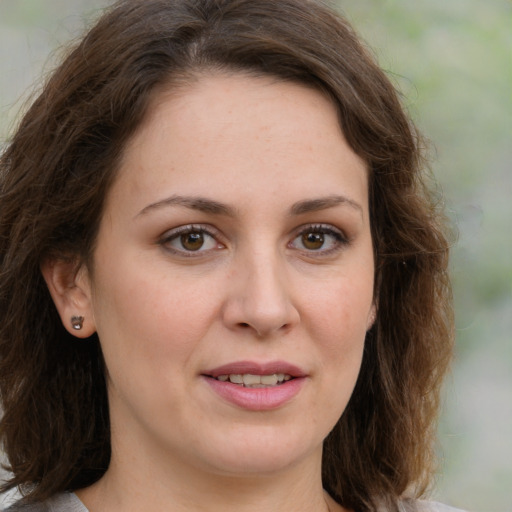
(149, 329)
(150, 316)
(337, 325)
(337, 321)
(339, 312)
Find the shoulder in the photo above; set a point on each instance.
(433, 506)
(65, 502)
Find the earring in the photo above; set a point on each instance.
(77, 322)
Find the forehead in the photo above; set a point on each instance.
(250, 133)
(210, 102)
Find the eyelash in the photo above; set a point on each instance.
(340, 240)
(189, 229)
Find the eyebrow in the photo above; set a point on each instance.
(323, 203)
(194, 203)
(210, 206)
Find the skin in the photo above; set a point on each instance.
(275, 276)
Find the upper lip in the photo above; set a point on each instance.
(254, 368)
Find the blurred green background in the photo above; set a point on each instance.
(452, 60)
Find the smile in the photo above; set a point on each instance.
(256, 386)
(250, 380)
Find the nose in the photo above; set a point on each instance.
(260, 297)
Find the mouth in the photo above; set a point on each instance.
(249, 374)
(250, 380)
(255, 386)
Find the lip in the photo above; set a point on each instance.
(256, 399)
(240, 367)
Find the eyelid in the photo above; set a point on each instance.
(342, 240)
(174, 233)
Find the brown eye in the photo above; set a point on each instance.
(313, 241)
(319, 240)
(187, 240)
(192, 241)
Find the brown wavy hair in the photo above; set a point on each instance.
(62, 159)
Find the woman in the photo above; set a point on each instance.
(223, 274)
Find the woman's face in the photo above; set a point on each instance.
(234, 247)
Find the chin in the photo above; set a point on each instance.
(265, 453)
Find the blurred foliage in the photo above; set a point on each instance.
(452, 61)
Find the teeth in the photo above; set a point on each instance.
(268, 380)
(255, 381)
(251, 380)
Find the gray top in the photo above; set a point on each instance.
(65, 502)
(431, 506)
(69, 502)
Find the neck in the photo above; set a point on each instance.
(136, 487)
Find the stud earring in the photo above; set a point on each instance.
(77, 322)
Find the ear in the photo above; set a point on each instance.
(70, 288)
(372, 316)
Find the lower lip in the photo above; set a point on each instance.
(257, 399)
